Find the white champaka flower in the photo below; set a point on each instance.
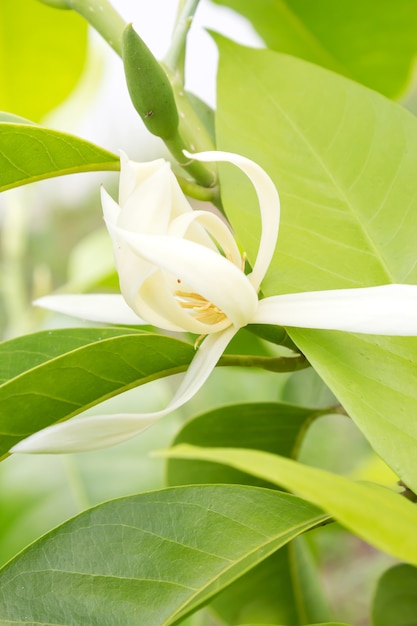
(181, 270)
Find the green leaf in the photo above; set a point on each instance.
(344, 161)
(54, 375)
(381, 517)
(272, 427)
(373, 45)
(395, 602)
(42, 56)
(279, 603)
(151, 558)
(30, 153)
(38, 492)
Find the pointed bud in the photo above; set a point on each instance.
(149, 87)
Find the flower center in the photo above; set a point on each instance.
(200, 307)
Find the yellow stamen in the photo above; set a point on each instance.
(244, 257)
(198, 341)
(200, 308)
(199, 305)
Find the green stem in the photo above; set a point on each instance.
(205, 194)
(104, 18)
(272, 364)
(407, 492)
(204, 175)
(193, 136)
(175, 56)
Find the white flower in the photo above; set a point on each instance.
(182, 270)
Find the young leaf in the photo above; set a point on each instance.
(343, 159)
(374, 46)
(152, 558)
(29, 153)
(381, 517)
(53, 375)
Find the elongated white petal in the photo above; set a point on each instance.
(100, 431)
(204, 271)
(85, 434)
(384, 310)
(269, 206)
(103, 308)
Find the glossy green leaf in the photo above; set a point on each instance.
(149, 559)
(395, 602)
(54, 375)
(38, 492)
(273, 587)
(381, 517)
(372, 44)
(344, 161)
(42, 56)
(29, 153)
(307, 387)
(272, 427)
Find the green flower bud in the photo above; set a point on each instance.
(149, 86)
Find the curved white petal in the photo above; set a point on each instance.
(104, 308)
(149, 206)
(84, 434)
(155, 302)
(384, 310)
(100, 431)
(269, 206)
(184, 227)
(132, 174)
(111, 210)
(204, 271)
(149, 196)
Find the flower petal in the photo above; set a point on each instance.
(383, 310)
(133, 174)
(184, 226)
(269, 206)
(100, 431)
(111, 209)
(149, 196)
(204, 271)
(84, 434)
(103, 308)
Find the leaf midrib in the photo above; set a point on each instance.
(184, 606)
